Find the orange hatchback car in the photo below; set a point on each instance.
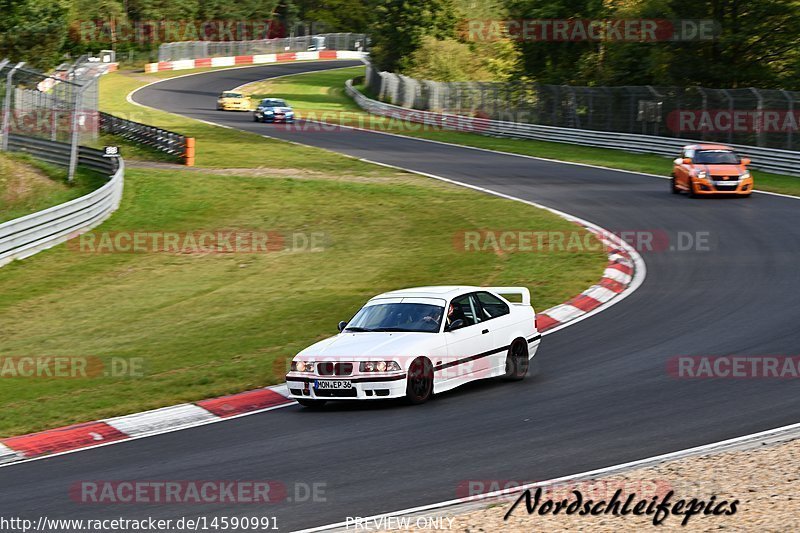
(711, 169)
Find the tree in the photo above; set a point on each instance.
(451, 60)
(402, 25)
(340, 15)
(33, 31)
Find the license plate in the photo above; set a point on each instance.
(333, 384)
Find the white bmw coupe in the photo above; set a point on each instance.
(414, 343)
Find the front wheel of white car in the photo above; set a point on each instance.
(419, 388)
(517, 361)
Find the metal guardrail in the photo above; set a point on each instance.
(163, 140)
(25, 236)
(746, 115)
(181, 50)
(768, 159)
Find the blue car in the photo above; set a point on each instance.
(273, 110)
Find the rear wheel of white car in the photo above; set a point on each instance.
(312, 404)
(419, 386)
(517, 361)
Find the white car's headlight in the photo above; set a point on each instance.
(379, 366)
(302, 366)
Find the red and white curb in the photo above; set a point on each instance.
(617, 277)
(138, 425)
(624, 272)
(257, 59)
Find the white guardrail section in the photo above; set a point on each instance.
(768, 159)
(25, 236)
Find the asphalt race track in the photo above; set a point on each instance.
(603, 397)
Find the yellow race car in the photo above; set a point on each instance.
(233, 101)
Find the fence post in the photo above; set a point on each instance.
(7, 105)
(730, 110)
(791, 112)
(705, 108)
(189, 152)
(3, 64)
(760, 115)
(76, 110)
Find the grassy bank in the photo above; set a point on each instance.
(321, 96)
(28, 185)
(208, 324)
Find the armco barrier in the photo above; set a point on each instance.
(768, 159)
(257, 59)
(25, 236)
(163, 140)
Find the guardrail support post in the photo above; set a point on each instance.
(7, 105)
(188, 154)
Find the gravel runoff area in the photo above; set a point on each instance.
(764, 478)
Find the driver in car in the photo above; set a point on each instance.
(430, 319)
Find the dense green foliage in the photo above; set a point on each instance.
(32, 30)
(755, 43)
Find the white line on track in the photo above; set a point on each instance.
(769, 436)
(640, 267)
(635, 284)
(639, 275)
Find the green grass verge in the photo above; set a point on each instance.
(321, 95)
(212, 324)
(28, 185)
(216, 147)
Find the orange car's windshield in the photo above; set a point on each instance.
(715, 157)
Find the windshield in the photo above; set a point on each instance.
(716, 157)
(418, 317)
(273, 102)
(231, 95)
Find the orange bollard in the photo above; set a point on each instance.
(188, 155)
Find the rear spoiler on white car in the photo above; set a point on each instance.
(521, 291)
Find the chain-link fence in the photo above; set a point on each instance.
(755, 117)
(59, 107)
(198, 49)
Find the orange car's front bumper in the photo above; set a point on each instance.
(709, 187)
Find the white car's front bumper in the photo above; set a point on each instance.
(306, 386)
